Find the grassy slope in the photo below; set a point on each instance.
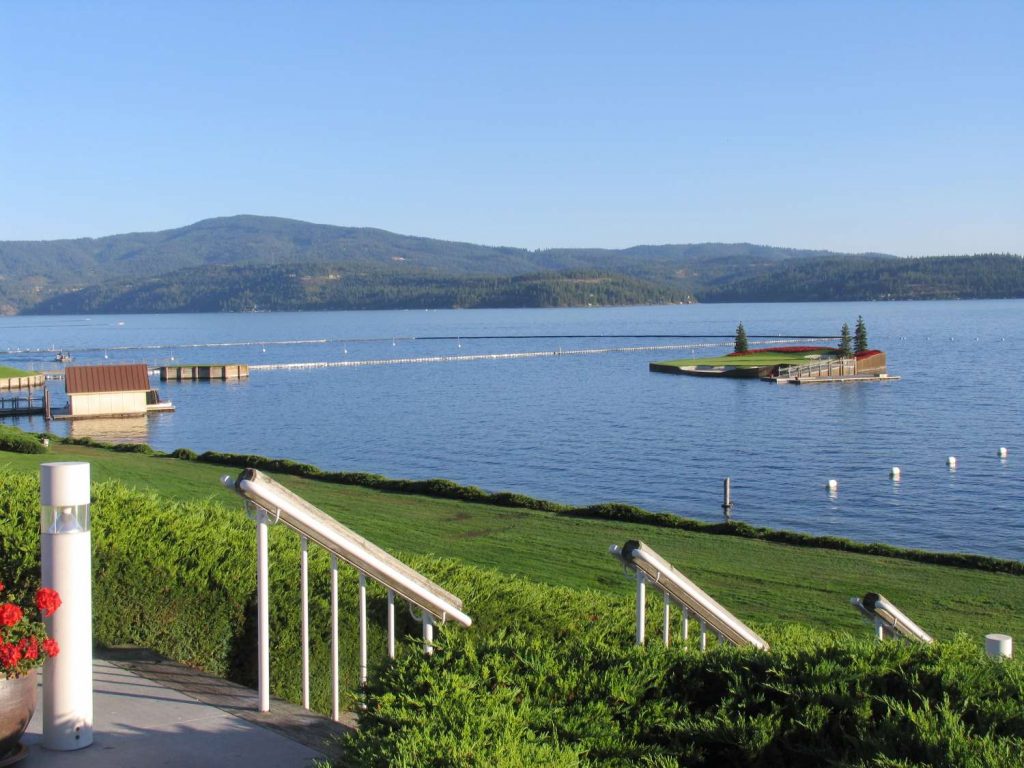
(10, 373)
(758, 581)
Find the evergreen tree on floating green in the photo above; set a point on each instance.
(741, 339)
(860, 336)
(845, 342)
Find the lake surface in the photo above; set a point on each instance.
(600, 427)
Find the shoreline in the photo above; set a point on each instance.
(440, 488)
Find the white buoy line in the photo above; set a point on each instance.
(466, 358)
(896, 474)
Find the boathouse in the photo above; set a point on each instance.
(108, 390)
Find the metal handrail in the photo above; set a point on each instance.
(888, 619)
(271, 501)
(651, 568)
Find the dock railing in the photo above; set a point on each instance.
(270, 502)
(842, 366)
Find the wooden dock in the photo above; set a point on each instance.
(26, 405)
(837, 379)
(203, 372)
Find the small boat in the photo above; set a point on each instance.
(63, 357)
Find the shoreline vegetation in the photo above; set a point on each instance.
(549, 673)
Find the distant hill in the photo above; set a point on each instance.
(274, 287)
(174, 270)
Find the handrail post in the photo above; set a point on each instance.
(305, 619)
(362, 630)
(428, 634)
(263, 609)
(641, 607)
(391, 623)
(335, 703)
(665, 626)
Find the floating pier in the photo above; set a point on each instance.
(30, 405)
(203, 372)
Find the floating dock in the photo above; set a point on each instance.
(203, 372)
(836, 379)
(30, 405)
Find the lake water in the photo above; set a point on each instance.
(600, 427)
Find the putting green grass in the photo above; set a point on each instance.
(12, 373)
(754, 360)
(759, 581)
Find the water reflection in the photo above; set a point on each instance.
(131, 429)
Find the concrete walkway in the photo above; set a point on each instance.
(152, 712)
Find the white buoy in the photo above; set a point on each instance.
(999, 646)
(1002, 453)
(951, 462)
(894, 473)
(832, 485)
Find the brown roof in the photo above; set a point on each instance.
(79, 379)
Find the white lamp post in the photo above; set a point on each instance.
(66, 559)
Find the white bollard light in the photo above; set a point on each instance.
(66, 560)
(999, 646)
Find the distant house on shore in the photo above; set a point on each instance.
(110, 390)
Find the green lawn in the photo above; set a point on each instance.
(11, 373)
(757, 359)
(758, 581)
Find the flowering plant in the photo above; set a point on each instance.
(24, 644)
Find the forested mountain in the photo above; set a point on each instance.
(320, 286)
(853, 278)
(281, 263)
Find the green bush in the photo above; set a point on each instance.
(517, 698)
(14, 440)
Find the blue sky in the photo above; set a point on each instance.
(894, 127)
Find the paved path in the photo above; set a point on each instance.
(149, 712)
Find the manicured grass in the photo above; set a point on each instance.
(755, 360)
(11, 373)
(759, 581)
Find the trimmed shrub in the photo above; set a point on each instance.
(14, 440)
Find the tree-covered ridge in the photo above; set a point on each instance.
(403, 271)
(851, 278)
(334, 287)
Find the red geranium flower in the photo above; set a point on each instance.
(10, 614)
(50, 647)
(47, 601)
(10, 655)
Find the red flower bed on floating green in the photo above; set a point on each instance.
(868, 353)
(785, 350)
